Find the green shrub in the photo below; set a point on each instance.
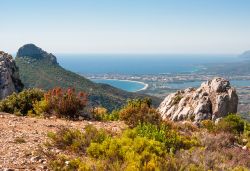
(40, 108)
(22, 102)
(131, 153)
(170, 138)
(101, 114)
(231, 123)
(148, 147)
(177, 99)
(209, 125)
(247, 129)
(113, 116)
(75, 140)
(139, 111)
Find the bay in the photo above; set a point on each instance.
(130, 86)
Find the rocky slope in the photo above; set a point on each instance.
(9, 76)
(212, 100)
(20, 140)
(39, 69)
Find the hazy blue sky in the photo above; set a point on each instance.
(126, 26)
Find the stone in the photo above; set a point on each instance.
(244, 148)
(9, 76)
(214, 99)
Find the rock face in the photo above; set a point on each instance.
(31, 50)
(212, 100)
(9, 76)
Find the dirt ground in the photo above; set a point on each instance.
(21, 137)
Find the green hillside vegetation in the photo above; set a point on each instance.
(153, 144)
(147, 143)
(41, 73)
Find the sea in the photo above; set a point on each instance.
(143, 64)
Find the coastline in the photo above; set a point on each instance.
(139, 82)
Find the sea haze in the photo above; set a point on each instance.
(140, 64)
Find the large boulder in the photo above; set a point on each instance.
(9, 76)
(212, 100)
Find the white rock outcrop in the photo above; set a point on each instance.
(212, 100)
(9, 76)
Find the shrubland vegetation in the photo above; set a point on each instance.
(21, 103)
(62, 103)
(148, 144)
(139, 111)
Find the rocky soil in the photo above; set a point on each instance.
(21, 139)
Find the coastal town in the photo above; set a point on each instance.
(161, 85)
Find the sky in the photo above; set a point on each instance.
(127, 26)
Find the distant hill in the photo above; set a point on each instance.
(228, 68)
(40, 69)
(245, 55)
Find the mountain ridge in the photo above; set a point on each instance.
(40, 69)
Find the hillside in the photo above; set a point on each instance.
(40, 69)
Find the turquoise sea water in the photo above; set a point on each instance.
(122, 84)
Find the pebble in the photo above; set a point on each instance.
(244, 148)
(35, 159)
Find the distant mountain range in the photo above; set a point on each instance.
(240, 67)
(40, 69)
(246, 54)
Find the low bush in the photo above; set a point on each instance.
(139, 111)
(171, 139)
(129, 152)
(209, 125)
(149, 147)
(231, 123)
(22, 102)
(101, 114)
(76, 140)
(62, 103)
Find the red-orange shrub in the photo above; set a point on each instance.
(65, 103)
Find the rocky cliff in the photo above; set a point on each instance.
(212, 100)
(9, 76)
(32, 50)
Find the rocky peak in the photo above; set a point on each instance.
(31, 50)
(212, 100)
(9, 76)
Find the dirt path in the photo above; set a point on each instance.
(20, 138)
